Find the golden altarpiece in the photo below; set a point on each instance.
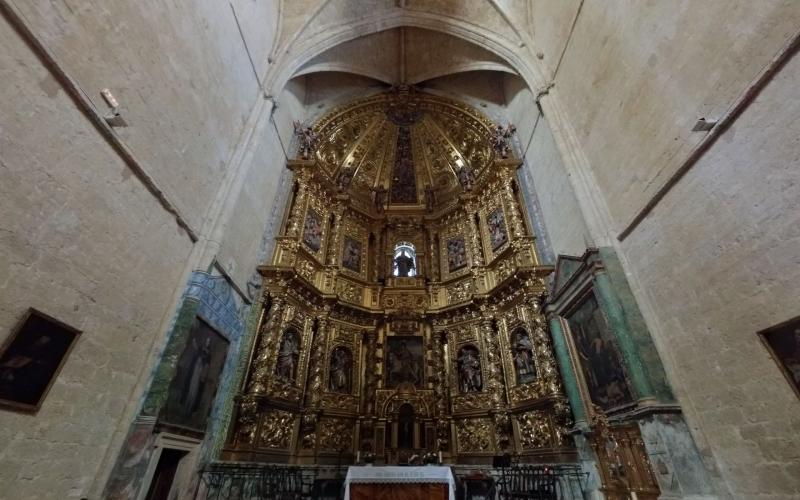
(401, 308)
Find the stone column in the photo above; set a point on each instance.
(627, 344)
(269, 332)
(568, 376)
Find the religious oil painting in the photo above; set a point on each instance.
(351, 254)
(524, 364)
(404, 362)
(340, 375)
(600, 361)
(783, 343)
(469, 369)
(496, 223)
(31, 359)
(312, 230)
(194, 387)
(456, 254)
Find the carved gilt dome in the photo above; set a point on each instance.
(415, 145)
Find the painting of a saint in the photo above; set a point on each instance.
(600, 362)
(783, 342)
(288, 356)
(524, 365)
(469, 370)
(456, 253)
(404, 361)
(312, 230)
(351, 254)
(32, 358)
(340, 371)
(194, 386)
(496, 222)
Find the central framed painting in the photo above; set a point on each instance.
(404, 361)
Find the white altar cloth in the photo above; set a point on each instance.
(392, 474)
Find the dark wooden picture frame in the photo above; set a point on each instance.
(782, 342)
(31, 359)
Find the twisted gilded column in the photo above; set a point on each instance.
(260, 366)
(316, 361)
(494, 374)
(512, 204)
(474, 232)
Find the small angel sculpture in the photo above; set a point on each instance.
(501, 139)
(308, 140)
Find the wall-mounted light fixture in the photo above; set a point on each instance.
(114, 118)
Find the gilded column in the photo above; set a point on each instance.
(259, 369)
(494, 375)
(440, 375)
(295, 221)
(507, 176)
(433, 255)
(474, 233)
(336, 235)
(370, 378)
(316, 362)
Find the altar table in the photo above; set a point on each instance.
(406, 483)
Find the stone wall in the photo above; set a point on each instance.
(715, 262)
(86, 239)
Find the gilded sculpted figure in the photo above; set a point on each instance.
(469, 370)
(287, 357)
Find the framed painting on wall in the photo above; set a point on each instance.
(783, 344)
(404, 361)
(312, 230)
(192, 390)
(456, 253)
(598, 357)
(31, 359)
(351, 254)
(496, 224)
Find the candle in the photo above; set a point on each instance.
(440, 456)
(358, 456)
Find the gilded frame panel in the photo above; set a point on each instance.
(354, 232)
(315, 210)
(495, 234)
(448, 233)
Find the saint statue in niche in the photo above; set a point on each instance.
(523, 357)
(339, 376)
(288, 354)
(469, 370)
(404, 264)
